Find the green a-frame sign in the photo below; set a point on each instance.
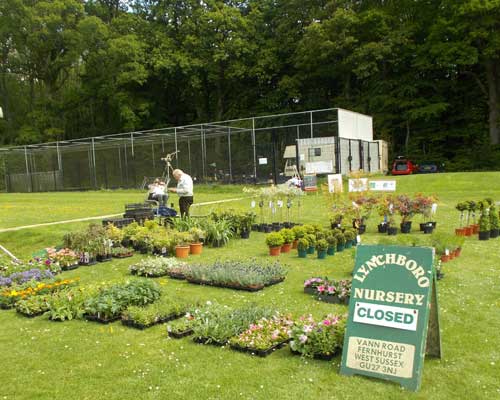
(393, 314)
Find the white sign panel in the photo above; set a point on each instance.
(381, 356)
(335, 183)
(383, 186)
(262, 161)
(319, 167)
(389, 316)
(358, 185)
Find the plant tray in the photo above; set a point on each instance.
(275, 282)
(38, 314)
(180, 334)
(70, 267)
(175, 275)
(324, 357)
(83, 264)
(225, 285)
(333, 299)
(123, 255)
(310, 290)
(136, 325)
(95, 318)
(259, 353)
(6, 306)
(205, 340)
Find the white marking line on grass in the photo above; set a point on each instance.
(69, 221)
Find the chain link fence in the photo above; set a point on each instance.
(245, 151)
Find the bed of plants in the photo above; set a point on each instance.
(165, 309)
(157, 266)
(329, 290)
(216, 324)
(108, 304)
(320, 339)
(265, 336)
(250, 275)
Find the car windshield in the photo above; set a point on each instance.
(401, 166)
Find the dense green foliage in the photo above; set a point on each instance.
(427, 71)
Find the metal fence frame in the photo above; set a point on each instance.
(223, 151)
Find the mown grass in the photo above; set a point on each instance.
(83, 360)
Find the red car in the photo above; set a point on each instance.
(403, 166)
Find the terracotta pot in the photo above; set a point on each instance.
(195, 248)
(451, 255)
(468, 230)
(458, 251)
(182, 251)
(460, 231)
(275, 251)
(475, 228)
(295, 244)
(445, 258)
(286, 248)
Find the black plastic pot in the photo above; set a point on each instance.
(392, 231)
(494, 233)
(406, 227)
(362, 229)
(382, 228)
(268, 229)
(428, 229)
(255, 227)
(484, 235)
(245, 234)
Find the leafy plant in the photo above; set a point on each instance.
(323, 337)
(216, 323)
(311, 238)
(303, 244)
(160, 311)
(332, 240)
(67, 305)
(265, 333)
(299, 232)
(197, 234)
(275, 239)
(33, 305)
(218, 233)
(341, 239)
(111, 301)
(288, 235)
(322, 245)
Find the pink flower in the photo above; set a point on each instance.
(321, 288)
(327, 322)
(303, 338)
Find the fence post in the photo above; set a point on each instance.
(254, 152)
(229, 155)
(176, 149)
(28, 175)
(93, 163)
(203, 153)
(311, 123)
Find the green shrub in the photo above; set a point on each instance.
(275, 239)
(303, 244)
(288, 235)
(321, 245)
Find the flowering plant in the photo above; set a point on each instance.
(325, 337)
(25, 276)
(265, 333)
(64, 257)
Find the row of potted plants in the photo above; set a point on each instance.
(489, 219)
(356, 209)
(329, 290)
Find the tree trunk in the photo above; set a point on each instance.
(407, 137)
(493, 106)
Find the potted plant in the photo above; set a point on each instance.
(350, 237)
(332, 244)
(462, 207)
(494, 223)
(299, 234)
(472, 208)
(302, 247)
(274, 241)
(341, 240)
(311, 238)
(405, 207)
(198, 235)
(182, 241)
(288, 237)
(484, 223)
(321, 247)
(246, 221)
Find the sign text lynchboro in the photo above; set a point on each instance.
(388, 313)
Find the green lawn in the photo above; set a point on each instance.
(83, 360)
